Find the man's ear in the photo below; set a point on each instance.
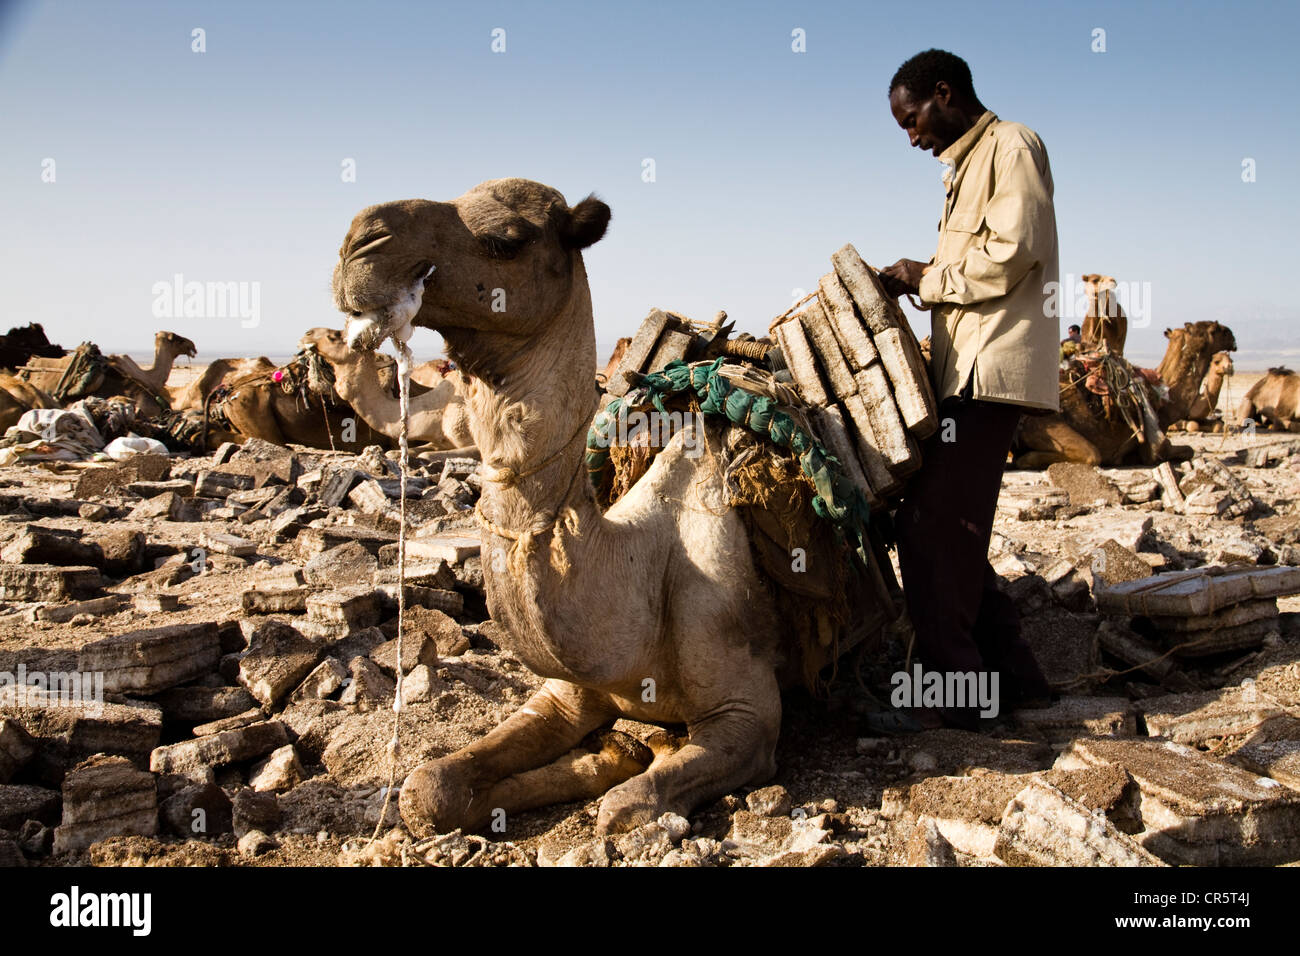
(585, 223)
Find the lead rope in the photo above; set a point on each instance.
(404, 362)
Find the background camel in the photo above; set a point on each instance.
(1078, 433)
(257, 406)
(1273, 400)
(437, 415)
(1202, 410)
(191, 397)
(18, 396)
(122, 375)
(652, 609)
(1105, 320)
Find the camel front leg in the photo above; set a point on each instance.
(725, 751)
(456, 790)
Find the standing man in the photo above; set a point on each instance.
(995, 352)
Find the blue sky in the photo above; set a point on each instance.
(225, 165)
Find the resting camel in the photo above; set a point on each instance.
(1076, 434)
(653, 609)
(1105, 320)
(1202, 410)
(123, 375)
(190, 397)
(18, 396)
(257, 406)
(437, 416)
(1273, 400)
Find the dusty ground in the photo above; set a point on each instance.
(830, 768)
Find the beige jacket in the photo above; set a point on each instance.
(993, 281)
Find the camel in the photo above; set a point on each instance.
(1076, 434)
(1203, 409)
(147, 388)
(191, 397)
(18, 396)
(255, 405)
(1105, 320)
(437, 416)
(653, 609)
(1273, 401)
(615, 360)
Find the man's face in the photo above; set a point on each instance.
(929, 123)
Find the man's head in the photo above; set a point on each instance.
(933, 99)
(1075, 330)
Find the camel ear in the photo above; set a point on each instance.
(585, 223)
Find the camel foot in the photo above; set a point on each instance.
(630, 805)
(436, 799)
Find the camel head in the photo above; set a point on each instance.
(1100, 290)
(330, 344)
(169, 343)
(1221, 363)
(1207, 338)
(504, 259)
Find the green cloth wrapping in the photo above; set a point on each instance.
(837, 499)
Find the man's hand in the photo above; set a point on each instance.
(904, 276)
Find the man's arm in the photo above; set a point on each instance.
(1019, 217)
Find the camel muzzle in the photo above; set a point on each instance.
(367, 331)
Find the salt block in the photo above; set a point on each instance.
(855, 344)
(105, 797)
(895, 444)
(425, 574)
(672, 345)
(913, 393)
(1072, 717)
(1197, 592)
(220, 484)
(1041, 826)
(358, 607)
(218, 750)
(874, 463)
(69, 727)
(834, 434)
(277, 659)
(200, 704)
(1198, 811)
(876, 308)
(313, 541)
(448, 546)
(38, 545)
(1195, 718)
(1279, 759)
(1085, 484)
(151, 660)
(638, 351)
(1247, 612)
(822, 339)
(44, 582)
(1211, 641)
(326, 678)
(281, 601)
(803, 367)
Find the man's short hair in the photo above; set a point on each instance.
(1074, 328)
(921, 74)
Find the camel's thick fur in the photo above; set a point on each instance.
(652, 610)
(438, 417)
(1273, 401)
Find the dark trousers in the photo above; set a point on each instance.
(962, 621)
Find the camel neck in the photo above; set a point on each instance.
(529, 404)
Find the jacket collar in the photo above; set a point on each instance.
(955, 155)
